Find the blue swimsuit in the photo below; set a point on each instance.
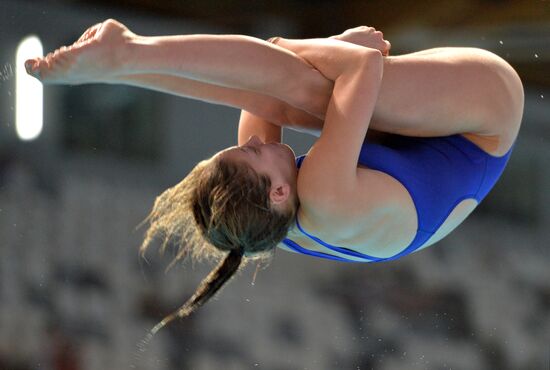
(438, 172)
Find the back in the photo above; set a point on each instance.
(415, 191)
(380, 218)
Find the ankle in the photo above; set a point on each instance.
(124, 57)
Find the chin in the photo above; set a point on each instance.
(289, 150)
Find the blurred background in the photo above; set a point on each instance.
(75, 296)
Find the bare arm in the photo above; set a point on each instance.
(250, 124)
(357, 74)
(262, 114)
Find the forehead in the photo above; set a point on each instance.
(244, 156)
(239, 154)
(233, 152)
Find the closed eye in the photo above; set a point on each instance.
(254, 149)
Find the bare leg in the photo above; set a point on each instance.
(265, 106)
(423, 94)
(93, 58)
(445, 91)
(109, 50)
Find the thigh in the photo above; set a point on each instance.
(441, 92)
(448, 91)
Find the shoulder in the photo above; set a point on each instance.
(373, 194)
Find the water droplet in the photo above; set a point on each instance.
(500, 42)
(6, 72)
(142, 346)
(541, 96)
(248, 300)
(536, 55)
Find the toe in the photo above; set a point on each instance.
(38, 68)
(34, 67)
(29, 64)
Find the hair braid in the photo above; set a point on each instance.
(207, 288)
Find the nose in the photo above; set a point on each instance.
(254, 140)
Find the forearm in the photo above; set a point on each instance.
(250, 124)
(232, 61)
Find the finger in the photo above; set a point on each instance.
(387, 46)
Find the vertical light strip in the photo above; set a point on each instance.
(28, 92)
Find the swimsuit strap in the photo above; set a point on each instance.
(335, 248)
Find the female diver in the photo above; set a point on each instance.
(450, 118)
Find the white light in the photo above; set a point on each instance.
(28, 97)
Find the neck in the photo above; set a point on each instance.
(293, 231)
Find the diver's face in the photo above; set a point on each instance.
(273, 159)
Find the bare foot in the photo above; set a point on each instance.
(94, 57)
(365, 36)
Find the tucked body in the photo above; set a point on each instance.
(407, 145)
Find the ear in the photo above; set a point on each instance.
(279, 193)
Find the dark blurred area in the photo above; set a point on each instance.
(74, 295)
